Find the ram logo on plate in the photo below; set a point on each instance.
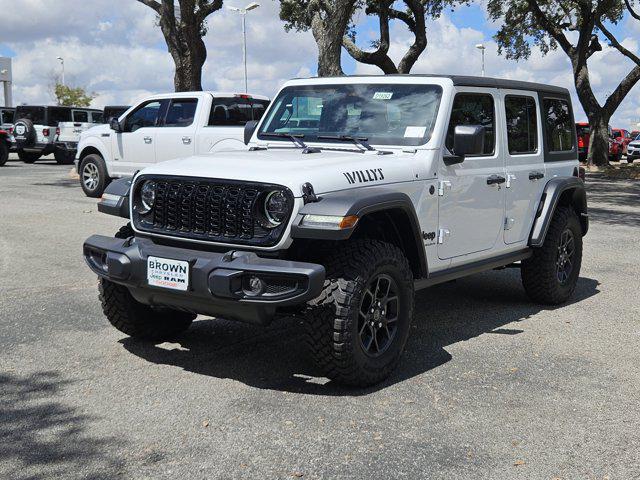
(165, 273)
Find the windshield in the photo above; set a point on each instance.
(383, 114)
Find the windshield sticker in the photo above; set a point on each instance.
(415, 132)
(364, 176)
(382, 95)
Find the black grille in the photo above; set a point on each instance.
(211, 210)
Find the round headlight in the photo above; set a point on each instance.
(148, 195)
(276, 207)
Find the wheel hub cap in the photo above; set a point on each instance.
(565, 260)
(378, 315)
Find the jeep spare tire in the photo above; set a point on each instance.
(24, 133)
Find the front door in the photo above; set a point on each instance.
(471, 194)
(134, 148)
(525, 163)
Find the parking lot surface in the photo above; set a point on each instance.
(491, 385)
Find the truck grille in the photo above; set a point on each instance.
(208, 210)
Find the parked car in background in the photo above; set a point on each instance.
(114, 111)
(616, 147)
(633, 149)
(164, 127)
(7, 115)
(584, 134)
(635, 134)
(35, 131)
(623, 136)
(5, 145)
(68, 133)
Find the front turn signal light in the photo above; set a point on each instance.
(329, 222)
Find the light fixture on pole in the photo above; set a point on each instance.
(482, 48)
(243, 11)
(62, 63)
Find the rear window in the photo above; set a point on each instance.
(236, 111)
(7, 116)
(583, 130)
(57, 115)
(79, 116)
(35, 114)
(97, 117)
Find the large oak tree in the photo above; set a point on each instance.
(576, 27)
(183, 24)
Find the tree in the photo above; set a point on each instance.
(72, 96)
(576, 27)
(328, 21)
(414, 17)
(183, 26)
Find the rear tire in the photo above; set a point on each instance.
(4, 152)
(138, 320)
(357, 329)
(28, 157)
(93, 175)
(551, 274)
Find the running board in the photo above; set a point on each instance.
(469, 269)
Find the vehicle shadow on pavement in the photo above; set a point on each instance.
(275, 357)
(44, 438)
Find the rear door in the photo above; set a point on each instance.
(175, 138)
(524, 163)
(135, 148)
(472, 194)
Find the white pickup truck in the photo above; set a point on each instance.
(164, 127)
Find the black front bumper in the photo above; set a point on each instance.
(217, 281)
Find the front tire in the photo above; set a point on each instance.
(93, 175)
(551, 274)
(28, 157)
(138, 320)
(357, 329)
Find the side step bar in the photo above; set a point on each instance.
(476, 267)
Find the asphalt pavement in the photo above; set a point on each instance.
(491, 386)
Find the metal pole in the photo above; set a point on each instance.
(483, 71)
(244, 50)
(63, 84)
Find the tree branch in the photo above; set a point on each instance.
(616, 44)
(209, 8)
(152, 4)
(632, 12)
(550, 27)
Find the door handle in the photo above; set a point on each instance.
(186, 140)
(495, 180)
(536, 175)
(147, 139)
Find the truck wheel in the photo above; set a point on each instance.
(93, 175)
(4, 152)
(138, 320)
(28, 157)
(63, 157)
(551, 274)
(358, 327)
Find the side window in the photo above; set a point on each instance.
(144, 116)
(230, 112)
(97, 117)
(181, 112)
(80, 116)
(522, 124)
(57, 115)
(559, 125)
(474, 109)
(259, 107)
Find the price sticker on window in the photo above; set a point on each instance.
(415, 132)
(382, 95)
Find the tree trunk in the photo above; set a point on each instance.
(599, 139)
(328, 27)
(189, 63)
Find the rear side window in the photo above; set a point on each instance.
(522, 124)
(559, 125)
(181, 112)
(236, 111)
(79, 116)
(97, 117)
(474, 109)
(57, 115)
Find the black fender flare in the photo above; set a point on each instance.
(115, 198)
(570, 188)
(359, 202)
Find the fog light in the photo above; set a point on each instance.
(254, 287)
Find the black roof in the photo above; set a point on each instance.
(489, 82)
(61, 107)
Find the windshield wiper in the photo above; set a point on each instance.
(359, 141)
(295, 138)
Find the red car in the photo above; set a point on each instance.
(616, 146)
(624, 136)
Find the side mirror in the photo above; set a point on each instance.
(115, 125)
(467, 140)
(249, 128)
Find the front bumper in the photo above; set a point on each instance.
(217, 281)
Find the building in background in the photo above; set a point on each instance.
(5, 78)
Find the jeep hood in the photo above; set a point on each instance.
(327, 171)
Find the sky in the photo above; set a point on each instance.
(115, 49)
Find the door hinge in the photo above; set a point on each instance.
(442, 186)
(508, 223)
(443, 233)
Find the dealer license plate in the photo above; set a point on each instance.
(167, 273)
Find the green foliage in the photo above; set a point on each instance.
(73, 96)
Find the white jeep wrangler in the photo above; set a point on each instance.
(354, 193)
(164, 127)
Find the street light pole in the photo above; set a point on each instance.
(243, 12)
(482, 48)
(62, 63)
